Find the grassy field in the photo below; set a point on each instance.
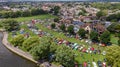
(88, 57)
(79, 59)
(22, 19)
(59, 35)
(114, 39)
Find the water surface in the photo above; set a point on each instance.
(9, 59)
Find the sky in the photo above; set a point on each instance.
(65, 0)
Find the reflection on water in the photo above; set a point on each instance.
(9, 59)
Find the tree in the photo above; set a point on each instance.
(12, 14)
(113, 55)
(31, 42)
(42, 50)
(70, 29)
(114, 28)
(62, 27)
(94, 36)
(53, 25)
(53, 47)
(81, 13)
(118, 35)
(83, 10)
(82, 33)
(119, 39)
(35, 12)
(56, 20)
(18, 40)
(5, 15)
(119, 42)
(26, 13)
(105, 37)
(65, 56)
(113, 17)
(18, 14)
(55, 10)
(10, 25)
(101, 13)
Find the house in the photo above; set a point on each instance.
(78, 23)
(76, 28)
(99, 28)
(107, 24)
(87, 27)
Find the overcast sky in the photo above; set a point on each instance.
(64, 0)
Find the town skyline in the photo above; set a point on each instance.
(61, 0)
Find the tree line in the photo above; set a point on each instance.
(45, 49)
(26, 13)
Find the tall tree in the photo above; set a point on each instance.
(42, 50)
(62, 27)
(10, 25)
(53, 25)
(18, 40)
(114, 28)
(101, 13)
(65, 56)
(31, 42)
(35, 12)
(56, 19)
(105, 37)
(70, 29)
(55, 10)
(119, 42)
(82, 33)
(94, 36)
(26, 13)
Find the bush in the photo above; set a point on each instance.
(65, 56)
(30, 43)
(10, 25)
(105, 37)
(53, 25)
(62, 27)
(70, 29)
(18, 40)
(82, 33)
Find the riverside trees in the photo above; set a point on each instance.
(10, 25)
(18, 40)
(44, 48)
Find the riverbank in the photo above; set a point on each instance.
(15, 49)
(20, 52)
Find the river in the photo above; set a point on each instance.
(9, 59)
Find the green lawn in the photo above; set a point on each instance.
(22, 19)
(88, 57)
(114, 39)
(79, 59)
(59, 35)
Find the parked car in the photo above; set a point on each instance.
(99, 63)
(89, 65)
(80, 65)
